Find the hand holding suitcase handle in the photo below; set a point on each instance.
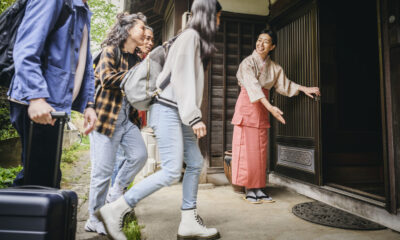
(40, 112)
(57, 115)
(40, 134)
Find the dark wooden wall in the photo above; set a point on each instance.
(296, 54)
(154, 18)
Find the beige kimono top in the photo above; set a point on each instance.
(254, 75)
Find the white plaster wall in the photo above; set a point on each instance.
(255, 7)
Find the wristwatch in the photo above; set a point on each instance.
(91, 105)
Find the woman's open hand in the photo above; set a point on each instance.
(309, 91)
(277, 113)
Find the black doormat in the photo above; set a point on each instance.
(320, 213)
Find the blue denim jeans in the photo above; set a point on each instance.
(176, 143)
(103, 151)
(119, 163)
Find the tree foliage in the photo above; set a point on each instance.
(104, 14)
(4, 4)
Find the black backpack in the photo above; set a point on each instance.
(10, 20)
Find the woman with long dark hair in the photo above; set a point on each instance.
(176, 120)
(257, 74)
(118, 123)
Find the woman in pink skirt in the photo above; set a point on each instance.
(257, 74)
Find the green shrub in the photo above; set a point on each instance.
(69, 155)
(131, 227)
(6, 129)
(4, 4)
(7, 176)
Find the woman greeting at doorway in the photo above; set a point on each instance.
(257, 74)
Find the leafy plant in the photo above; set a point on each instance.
(4, 4)
(70, 155)
(8, 133)
(104, 15)
(7, 176)
(131, 227)
(6, 129)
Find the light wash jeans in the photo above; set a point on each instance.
(119, 163)
(103, 151)
(176, 143)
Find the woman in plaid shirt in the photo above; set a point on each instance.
(118, 123)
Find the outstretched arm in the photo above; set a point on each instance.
(275, 111)
(309, 91)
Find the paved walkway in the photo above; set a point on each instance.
(78, 179)
(220, 207)
(236, 219)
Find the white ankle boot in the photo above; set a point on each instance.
(192, 227)
(115, 192)
(112, 215)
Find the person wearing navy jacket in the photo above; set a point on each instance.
(53, 72)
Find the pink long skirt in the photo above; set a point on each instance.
(249, 156)
(249, 144)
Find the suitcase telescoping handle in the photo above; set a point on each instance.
(59, 115)
(62, 118)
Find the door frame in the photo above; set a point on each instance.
(387, 108)
(283, 11)
(281, 15)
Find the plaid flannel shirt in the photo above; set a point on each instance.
(109, 98)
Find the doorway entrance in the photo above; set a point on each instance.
(351, 118)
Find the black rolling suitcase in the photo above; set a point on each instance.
(37, 212)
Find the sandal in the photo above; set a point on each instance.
(265, 199)
(251, 199)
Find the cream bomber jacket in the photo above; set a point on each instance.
(255, 74)
(185, 92)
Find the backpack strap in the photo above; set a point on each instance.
(165, 82)
(66, 11)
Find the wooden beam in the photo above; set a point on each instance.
(224, 76)
(152, 18)
(243, 18)
(204, 142)
(390, 166)
(160, 6)
(180, 8)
